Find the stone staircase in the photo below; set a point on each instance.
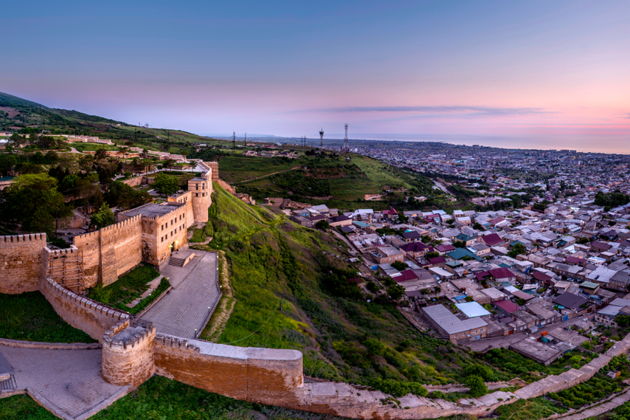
(177, 261)
(180, 259)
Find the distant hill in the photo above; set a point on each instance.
(21, 114)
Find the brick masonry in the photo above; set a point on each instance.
(22, 262)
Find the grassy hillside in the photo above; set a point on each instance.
(18, 113)
(291, 291)
(338, 181)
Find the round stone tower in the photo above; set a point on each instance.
(127, 357)
(201, 189)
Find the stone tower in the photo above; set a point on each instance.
(201, 189)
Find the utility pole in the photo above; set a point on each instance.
(233, 139)
(346, 145)
(321, 138)
(245, 140)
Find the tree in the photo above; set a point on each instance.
(399, 265)
(322, 224)
(34, 202)
(124, 196)
(476, 385)
(396, 292)
(517, 249)
(103, 217)
(166, 184)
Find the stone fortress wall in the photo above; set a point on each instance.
(22, 262)
(110, 252)
(101, 257)
(90, 316)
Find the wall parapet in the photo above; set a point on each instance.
(83, 313)
(27, 237)
(127, 357)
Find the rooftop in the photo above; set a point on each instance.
(449, 322)
(153, 210)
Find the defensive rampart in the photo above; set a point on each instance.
(22, 262)
(64, 267)
(85, 314)
(252, 374)
(110, 252)
(128, 353)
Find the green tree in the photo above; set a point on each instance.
(166, 184)
(123, 196)
(517, 249)
(322, 224)
(103, 217)
(34, 202)
(476, 385)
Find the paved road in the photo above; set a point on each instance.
(185, 310)
(66, 382)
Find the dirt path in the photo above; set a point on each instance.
(245, 181)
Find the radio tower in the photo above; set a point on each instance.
(321, 138)
(233, 139)
(346, 146)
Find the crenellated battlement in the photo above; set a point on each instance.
(124, 224)
(176, 342)
(6, 240)
(129, 334)
(79, 311)
(62, 252)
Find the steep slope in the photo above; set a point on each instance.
(292, 290)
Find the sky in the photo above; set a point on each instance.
(531, 73)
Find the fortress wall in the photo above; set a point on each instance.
(92, 317)
(246, 373)
(215, 170)
(89, 246)
(127, 357)
(64, 267)
(135, 181)
(110, 252)
(22, 262)
(121, 248)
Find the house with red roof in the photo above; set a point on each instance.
(492, 239)
(506, 306)
(406, 275)
(443, 248)
(415, 249)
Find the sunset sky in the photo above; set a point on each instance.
(539, 74)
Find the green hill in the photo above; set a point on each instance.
(326, 177)
(21, 114)
(291, 288)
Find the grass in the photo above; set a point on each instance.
(23, 407)
(161, 398)
(164, 284)
(535, 408)
(128, 287)
(329, 178)
(29, 316)
(280, 274)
